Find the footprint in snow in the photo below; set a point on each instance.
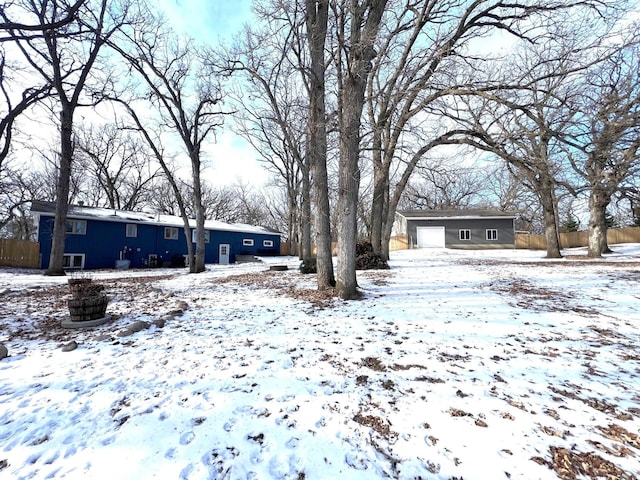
(186, 471)
(220, 461)
(286, 466)
(228, 426)
(52, 458)
(186, 438)
(286, 398)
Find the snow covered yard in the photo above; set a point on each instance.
(454, 365)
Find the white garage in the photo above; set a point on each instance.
(430, 237)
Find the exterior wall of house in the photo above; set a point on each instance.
(103, 242)
(477, 231)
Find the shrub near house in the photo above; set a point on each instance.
(97, 237)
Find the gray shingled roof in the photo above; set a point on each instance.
(466, 213)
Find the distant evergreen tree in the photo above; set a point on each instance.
(571, 224)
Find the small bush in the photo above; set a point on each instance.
(308, 266)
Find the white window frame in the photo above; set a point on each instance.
(68, 262)
(492, 234)
(464, 234)
(248, 242)
(131, 230)
(76, 227)
(194, 235)
(267, 243)
(171, 233)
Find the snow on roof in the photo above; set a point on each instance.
(114, 215)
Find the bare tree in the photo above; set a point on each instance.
(439, 183)
(187, 97)
(358, 23)
(427, 55)
(68, 14)
(272, 106)
(604, 145)
(117, 170)
(316, 24)
(64, 58)
(14, 105)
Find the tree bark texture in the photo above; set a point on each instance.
(317, 18)
(56, 260)
(549, 211)
(365, 21)
(598, 202)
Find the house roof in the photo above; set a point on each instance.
(123, 216)
(454, 214)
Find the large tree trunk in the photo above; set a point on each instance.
(199, 264)
(317, 17)
(305, 216)
(549, 212)
(379, 203)
(293, 223)
(349, 184)
(56, 260)
(364, 25)
(598, 202)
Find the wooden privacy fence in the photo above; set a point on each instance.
(19, 253)
(578, 239)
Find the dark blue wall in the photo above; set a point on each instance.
(104, 241)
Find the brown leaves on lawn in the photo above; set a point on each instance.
(568, 465)
(376, 423)
(533, 297)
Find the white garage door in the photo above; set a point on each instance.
(430, 237)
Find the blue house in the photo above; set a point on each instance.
(97, 237)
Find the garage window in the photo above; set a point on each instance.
(464, 234)
(492, 234)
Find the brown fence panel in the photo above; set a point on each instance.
(19, 253)
(623, 235)
(399, 242)
(574, 239)
(578, 239)
(528, 241)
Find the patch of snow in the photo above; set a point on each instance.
(454, 364)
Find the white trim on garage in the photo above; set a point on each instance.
(430, 237)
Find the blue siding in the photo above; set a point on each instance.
(104, 241)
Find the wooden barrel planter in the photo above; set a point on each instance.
(89, 308)
(88, 301)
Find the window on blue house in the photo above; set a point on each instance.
(73, 260)
(132, 230)
(170, 233)
(77, 227)
(247, 242)
(464, 234)
(492, 234)
(194, 235)
(267, 243)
